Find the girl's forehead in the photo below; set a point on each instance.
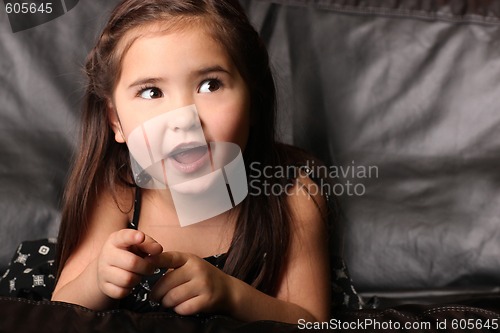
(193, 43)
(140, 44)
(161, 28)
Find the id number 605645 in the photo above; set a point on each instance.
(28, 8)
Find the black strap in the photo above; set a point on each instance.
(137, 208)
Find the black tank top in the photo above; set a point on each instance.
(138, 299)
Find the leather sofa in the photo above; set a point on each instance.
(409, 89)
(399, 98)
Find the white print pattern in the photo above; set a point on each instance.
(143, 299)
(146, 286)
(12, 284)
(44, 250)
(31, 271)
(38, 281)
(21, 259)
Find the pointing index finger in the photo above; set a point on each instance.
(171, 259)
(127, 237)
(150, 246)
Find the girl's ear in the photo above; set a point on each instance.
(114, 121)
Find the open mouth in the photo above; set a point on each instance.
(189, 155)
(189, 158)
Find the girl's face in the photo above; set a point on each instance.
(164, 71)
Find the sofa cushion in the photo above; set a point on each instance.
(408, 90)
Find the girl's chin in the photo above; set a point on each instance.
(195, 186)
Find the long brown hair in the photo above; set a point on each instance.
(261, 237)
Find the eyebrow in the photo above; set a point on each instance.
(200, 72)
(143, 81)
(212, 69)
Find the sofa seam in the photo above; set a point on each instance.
(394, 12)
(428, 312)
(461, 309)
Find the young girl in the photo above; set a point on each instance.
(265, 259)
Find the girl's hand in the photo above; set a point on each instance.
(123, 261)
(192, 285)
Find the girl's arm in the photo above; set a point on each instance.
(108, 262)
(196, 286)
(305, 287)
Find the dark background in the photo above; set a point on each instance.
(412, 88)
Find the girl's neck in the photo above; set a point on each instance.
(205, 238)
(163, 203)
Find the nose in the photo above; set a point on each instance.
(182, 119)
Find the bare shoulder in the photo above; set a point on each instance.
(306, 274)
(309, 219)
(108, 213)
(307, 203)
(305, 198)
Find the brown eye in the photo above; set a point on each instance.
(151, 93)
(208, 86)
